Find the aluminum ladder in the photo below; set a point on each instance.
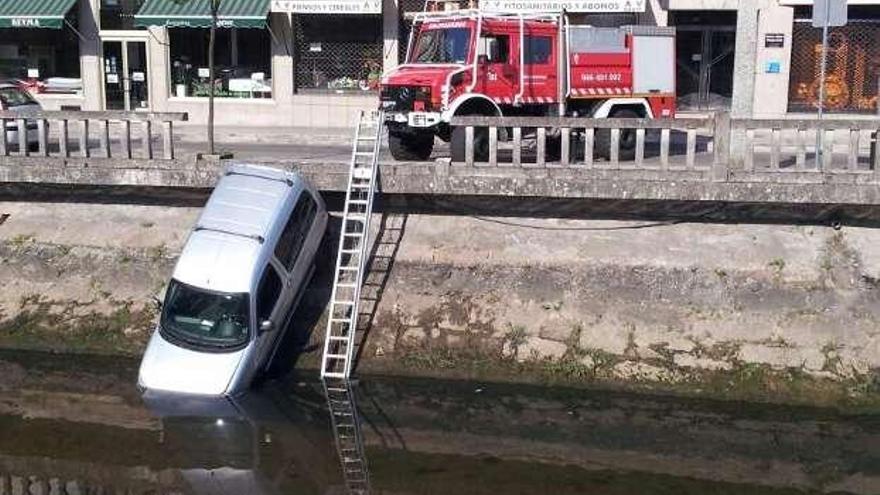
(341, 403)
(342, 321)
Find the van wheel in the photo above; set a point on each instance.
(458, 144)
(627, 138)
(410, 147)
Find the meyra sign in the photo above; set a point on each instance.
(327, 6)
(25, 22)
(574, 6)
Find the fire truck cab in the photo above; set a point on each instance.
(472, 62)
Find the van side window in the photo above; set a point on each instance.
(297, 229)
(268, 293)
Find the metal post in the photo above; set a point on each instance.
(820, 135)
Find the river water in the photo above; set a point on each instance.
(77, 425)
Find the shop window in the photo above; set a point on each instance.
(119, 14)
(242, 63)
(853, 66)
(339, 53)
(41, 60)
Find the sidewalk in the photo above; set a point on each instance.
(306, 136)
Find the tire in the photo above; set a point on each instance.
(627, 138)
(458, 144)
(409, 147)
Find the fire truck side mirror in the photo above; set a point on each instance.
(483, 60)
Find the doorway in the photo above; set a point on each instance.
(705, 59)
(126, 75)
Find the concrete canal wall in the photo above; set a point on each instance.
(720, 308)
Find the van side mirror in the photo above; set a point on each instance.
(158, 303)
(266, 326)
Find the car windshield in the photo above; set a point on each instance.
(204, 318)
(442, 46)
(14, 97)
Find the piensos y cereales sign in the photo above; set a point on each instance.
(327, 6)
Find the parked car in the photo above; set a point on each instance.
(242, 271)
(17, 100)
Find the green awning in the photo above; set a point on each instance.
(197, 13)
(34, 13)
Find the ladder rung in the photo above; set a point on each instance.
(363, 153)
(336, 337)
(358, 201)
(357, 218)
(340, 320)
(360, 186)
(347, 285)
(344, 303)
(353, 234)
(334, 374)
(350, 251)
(348, 268)
(336, 356)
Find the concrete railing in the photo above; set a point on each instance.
(576, 134)
(703, 145)
(789, 146)
(40, 142)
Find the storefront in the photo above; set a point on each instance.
(242, 57)
(705, 45)
(853, 67)
(39, 45)
(338, 44)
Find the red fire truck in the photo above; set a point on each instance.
(472, 62)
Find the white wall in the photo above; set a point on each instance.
(90, 55)
(771, 94)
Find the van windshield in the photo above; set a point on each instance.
(442, 46)
(202, 318)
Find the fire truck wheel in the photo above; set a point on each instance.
(627, 138)
(481, 144)
(411, 147)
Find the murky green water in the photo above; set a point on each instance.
(76, 424)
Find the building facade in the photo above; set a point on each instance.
(317, 62)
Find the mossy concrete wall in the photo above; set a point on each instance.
(716, 306)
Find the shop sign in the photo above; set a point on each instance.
(774, 40)
(25, 22)
(138, 76)
(327, 6)
(596, 6)
(33, 73)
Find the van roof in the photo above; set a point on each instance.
(228, 240)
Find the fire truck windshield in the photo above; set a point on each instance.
(442, 46)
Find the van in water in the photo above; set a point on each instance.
(242, 271)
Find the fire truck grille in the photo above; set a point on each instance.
(398, 98)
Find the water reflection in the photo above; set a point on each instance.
(81, 424)
(342, 405)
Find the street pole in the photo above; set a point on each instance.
(215, 7)
(820, 136)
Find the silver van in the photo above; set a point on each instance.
(243, 269)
